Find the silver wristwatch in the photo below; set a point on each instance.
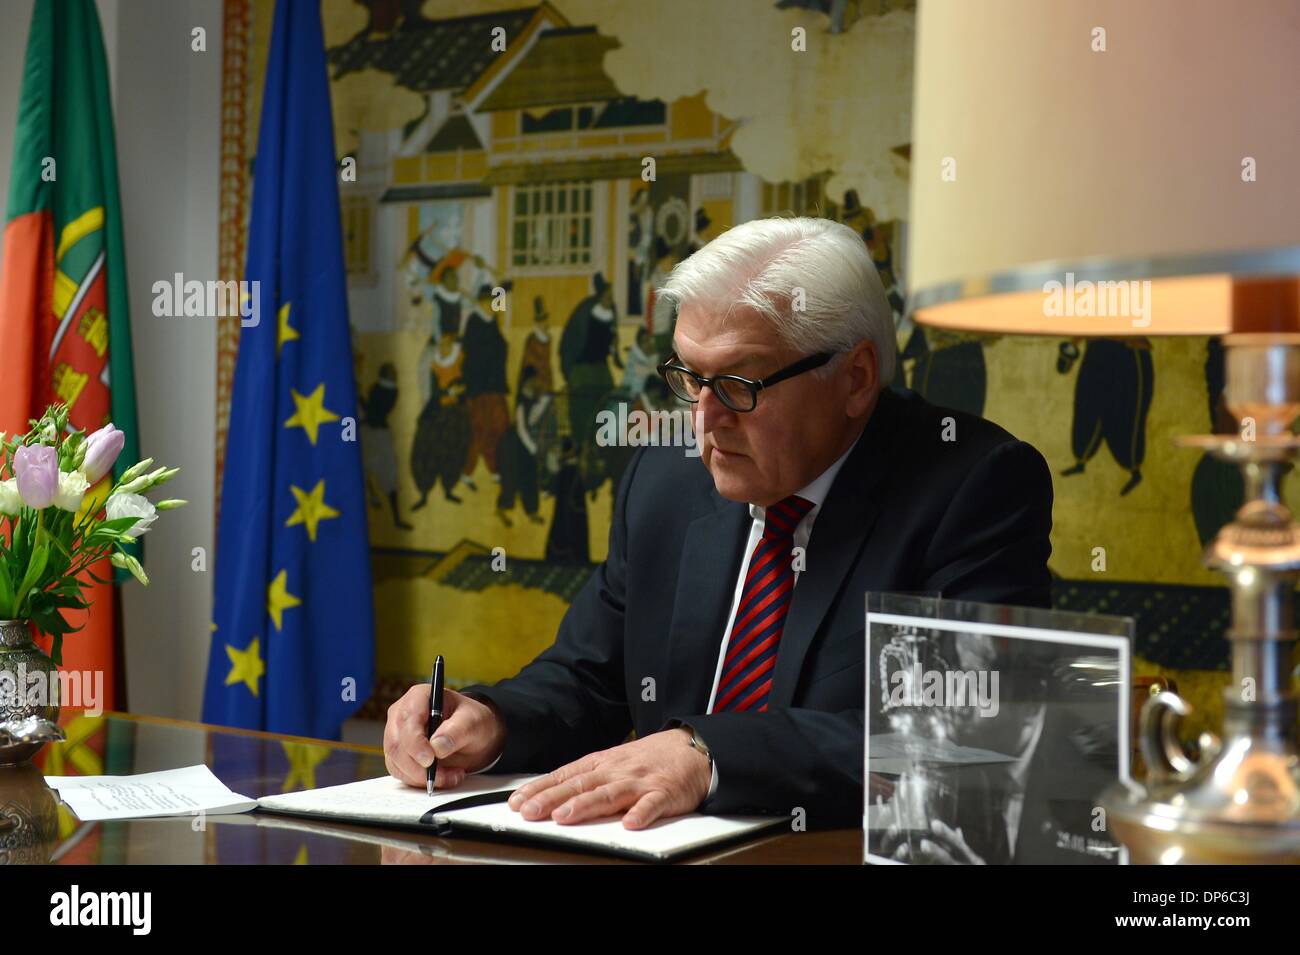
(697, 741)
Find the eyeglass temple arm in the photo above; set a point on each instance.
(798, 368)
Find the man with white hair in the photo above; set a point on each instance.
(725, 627)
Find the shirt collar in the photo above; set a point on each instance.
(817, 489)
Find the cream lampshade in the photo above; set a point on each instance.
(1071, 142)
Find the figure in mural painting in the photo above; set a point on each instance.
(537, 350)
(653, 396)
(1112, 396)
(659, 311)
(640, 241)
(949, 369)
(485, 382)
(451, 306)
(642, 360)
(879, 237)
(428, 262)
(517, 453)
(377, 448)
(590, 339)
(700, 236)
(442, 433)
(1218, 489)
(416, 265)
(566, 542)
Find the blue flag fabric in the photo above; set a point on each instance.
(293, 644)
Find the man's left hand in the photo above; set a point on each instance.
(648, 779)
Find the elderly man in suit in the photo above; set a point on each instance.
(725, 626)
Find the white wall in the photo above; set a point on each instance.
(15, 15)
(167, 112)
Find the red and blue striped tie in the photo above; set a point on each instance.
(760, 617)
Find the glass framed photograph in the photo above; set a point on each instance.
(990, 732)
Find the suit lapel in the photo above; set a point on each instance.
(706, 581)
(838, 535)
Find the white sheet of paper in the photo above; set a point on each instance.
(169, 792)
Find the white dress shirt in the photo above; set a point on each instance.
(815, 492)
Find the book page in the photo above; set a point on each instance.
(661, 841)
(385, 798)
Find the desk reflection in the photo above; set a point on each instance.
(36, 828)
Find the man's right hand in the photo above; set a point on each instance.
(472, 735)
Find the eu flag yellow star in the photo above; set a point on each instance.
(286, 332)
(311, 412)
(246, 666)
(311, 509)
(278, 598)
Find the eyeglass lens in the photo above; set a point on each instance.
(731, 393)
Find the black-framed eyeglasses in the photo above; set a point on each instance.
(737, 393)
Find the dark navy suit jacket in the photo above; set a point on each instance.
(908, 511)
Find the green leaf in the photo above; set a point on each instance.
(111, 531)
(96, 578)
(60, 545)
(7, 608)
(34, 570)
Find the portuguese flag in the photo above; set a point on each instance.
(64, 326)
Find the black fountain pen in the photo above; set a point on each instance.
(435, 717)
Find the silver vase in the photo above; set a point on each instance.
(29, 695)
(29, 816)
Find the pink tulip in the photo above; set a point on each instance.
(102, 449)
(37, 469)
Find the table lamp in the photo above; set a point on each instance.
(1113, 168)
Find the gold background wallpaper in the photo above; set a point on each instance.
(452, 141)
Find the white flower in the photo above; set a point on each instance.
(11, 501)
(72, 488)
(132, 505)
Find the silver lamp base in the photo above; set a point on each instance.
(1235, 800)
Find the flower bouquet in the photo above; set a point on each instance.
(55, 526)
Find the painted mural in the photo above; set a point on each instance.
(526, 178)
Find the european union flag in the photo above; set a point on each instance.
(293, 648)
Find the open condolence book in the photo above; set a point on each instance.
(478, 805)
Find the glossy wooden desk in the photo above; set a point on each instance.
(35, 828)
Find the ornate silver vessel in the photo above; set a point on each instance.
(29, 690)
